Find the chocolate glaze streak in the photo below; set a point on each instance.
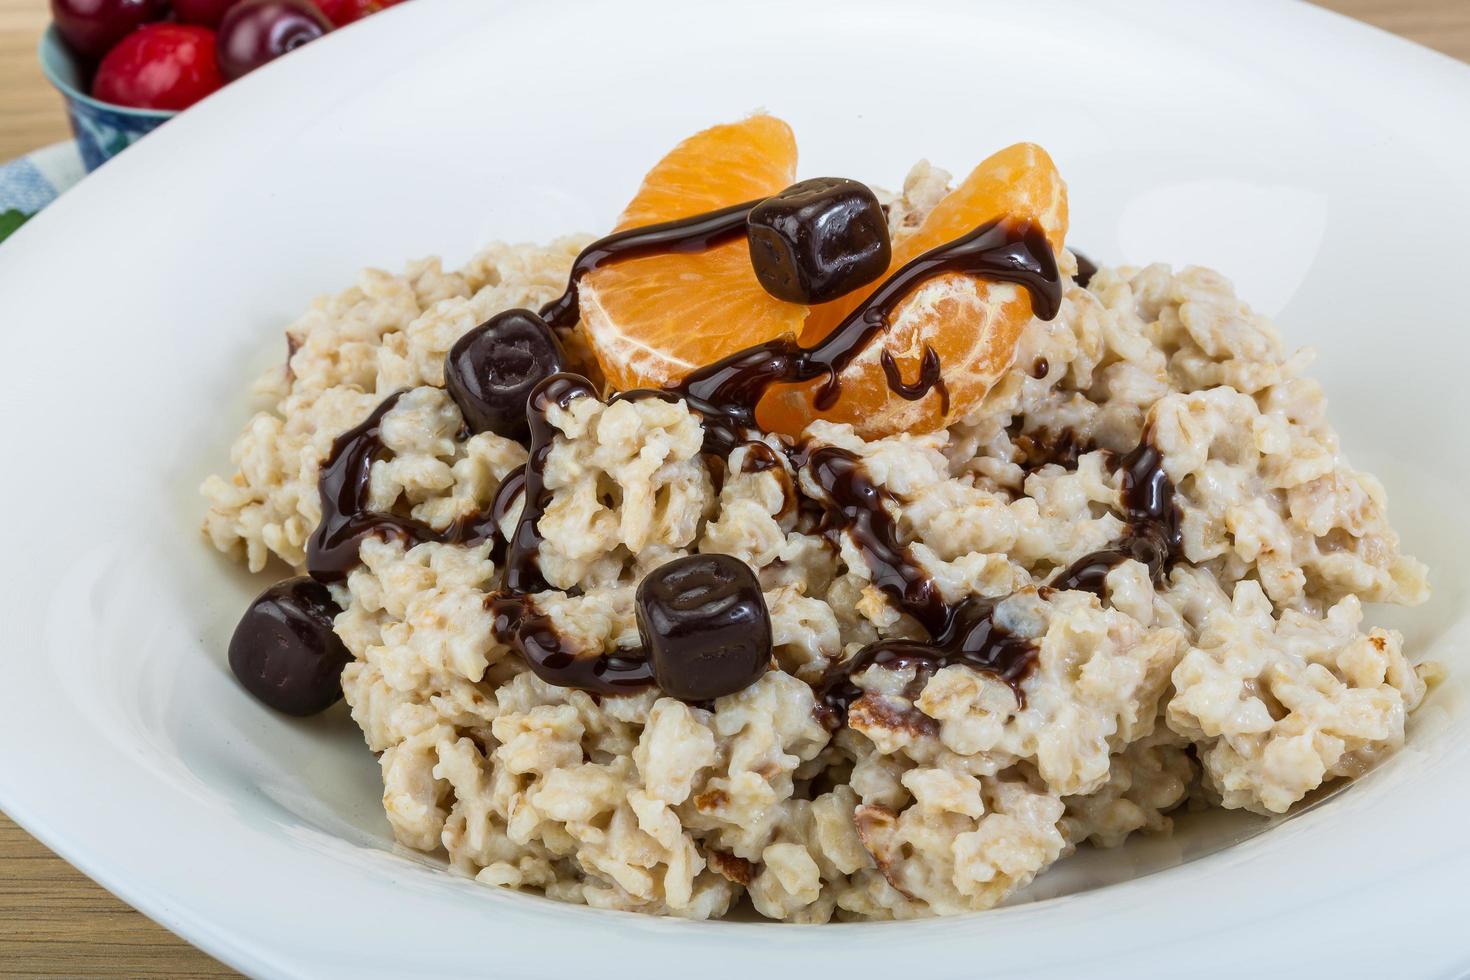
(1003, 250)
(694, 234)
(965, 633)
(1042, 447)
(726, 392)
(507, 494)
(517, 623)
(1086, 269)
(929, 378)
(854, 503)
(331, 552)
(1152, 537)
(533, 635)
(973, 640)
(333, 548)
(522, 569)
(759, 458)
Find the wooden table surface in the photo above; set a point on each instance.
(53, 920)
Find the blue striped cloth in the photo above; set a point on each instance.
(33, 181)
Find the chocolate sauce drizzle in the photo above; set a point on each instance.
(1003, 250)
(759, 458)
(1152, 536)
(346, 476)
(973, 639)
(517, 622)
(726, 392)
(507, 494)
(523, 550)
(960, 633)
(929, 378)
(1043, 447)
(693, 234)
(1086, 269)
(855, 505)
(519, 625)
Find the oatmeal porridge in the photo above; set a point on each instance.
(634, 638)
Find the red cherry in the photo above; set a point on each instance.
(159, 66)
(207, 13)
(257, 31)
(92, 27)
(343, 12)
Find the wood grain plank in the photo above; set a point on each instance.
(54, 921)
(31, 111)
(1443, 25)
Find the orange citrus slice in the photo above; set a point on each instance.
(970, 324)
(652, 320)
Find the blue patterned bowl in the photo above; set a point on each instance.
(102, 130)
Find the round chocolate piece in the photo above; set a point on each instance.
(491, 370)
(818, 239)
(284, 650)
(705, 626)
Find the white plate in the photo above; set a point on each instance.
(1323, 165)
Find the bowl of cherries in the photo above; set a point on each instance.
(127, 66)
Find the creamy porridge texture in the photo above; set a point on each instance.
(1237, 673)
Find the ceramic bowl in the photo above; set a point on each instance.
(1320, 164)
(102, 130)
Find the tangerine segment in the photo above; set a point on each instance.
(970, 324)
(652, 320)
(1020, 180)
